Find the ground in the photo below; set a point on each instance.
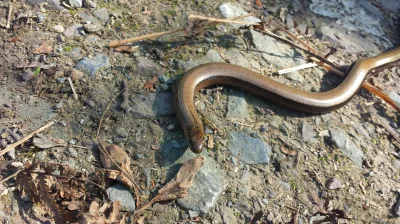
(264, 163)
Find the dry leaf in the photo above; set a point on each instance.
(258, 3)
(118, 155)
(150, 85)
(288, 151)
(44, 48)
(14, 39)
(127, 49)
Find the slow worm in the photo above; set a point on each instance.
(227, 74)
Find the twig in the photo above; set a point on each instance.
(319, 180)
(9, 16)
(385, 125)
(26, 138)
(72, 87)
(118, 43)
(11, 176)
(217, 20)
(292, 69)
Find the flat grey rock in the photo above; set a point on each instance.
(227, 215)
(230, 10)
(273, 52)
(120, 192)
(75, 3)
(147, 67)
(307, 132)
(350, 15)
(51, 4)
(237, 106)
(87, 18)
(91, 66)
(249, 150)
(151, 105)
(73, 31)
(102, 14)
(75, 53)
(235, 57)
(208, 183)
(211, 56)
(342, 141)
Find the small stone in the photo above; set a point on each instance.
(164, 87)
(40, 18)
(90, 103)
(91, 66)
(227, 214)
(27, 75)
(396, 164)
(120, 192)
(61, 79)
(58, 106)
(102, 14)
(72, 152)
(340, 140)
(333, 184)
(170, 127)
(249, 150)
(165, 79)
(93, 27)
(237, 106)
(72, 141)
(75, 3)
(58, 28)
(3, 143)
(193, 214)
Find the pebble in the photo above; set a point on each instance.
(229, 10)
(307, 132)
(149, 68)
(72, 152)
(333, 184)
(340, 140)
(164, 79)
(91, 66)
(102, 14)
(120, 192)
(75, 53)
(40, 18)
(58, 106)
(227, 214)
(90, 103)
(73, 31)
(149, 105)
(75, 3)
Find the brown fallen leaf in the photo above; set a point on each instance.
(179, 186)
(127, 49)
(14, 39)
(258, 3)
(44, 48)
(288, 151)
(150, 85)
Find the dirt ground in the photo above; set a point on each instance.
(339, 167)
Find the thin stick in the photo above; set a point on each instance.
(385, 125)
(117, 43)
(296, 68)
(26, 138)
(9, 16)
(217, 20)
(72, 87)
(11, 176)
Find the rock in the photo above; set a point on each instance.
(351, 15)
(75, 53)
(73, 31)
(243, 205)
(307, 132)
(58, 106)
(395, 96)
(211, 56)
(151, 105)
(91, 66)
(273, 52)
(165, 79)
(87, 18)
(208, 183)
(51, 4)
(249, 150)
(227, 215)
(333, 184)
(147, 67)
(93, 27)
(58, 28)
(27, 75)
(120, 192)
(295, 76)
(40, 18)
(102, 14)
(235, 57)
(72, 152)
(352, 42)
(346, 146)
(89, 4)
(396, 164)
(237, 106)
(229, 10)
(361, 130)
(396, 207)
(75, 3)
